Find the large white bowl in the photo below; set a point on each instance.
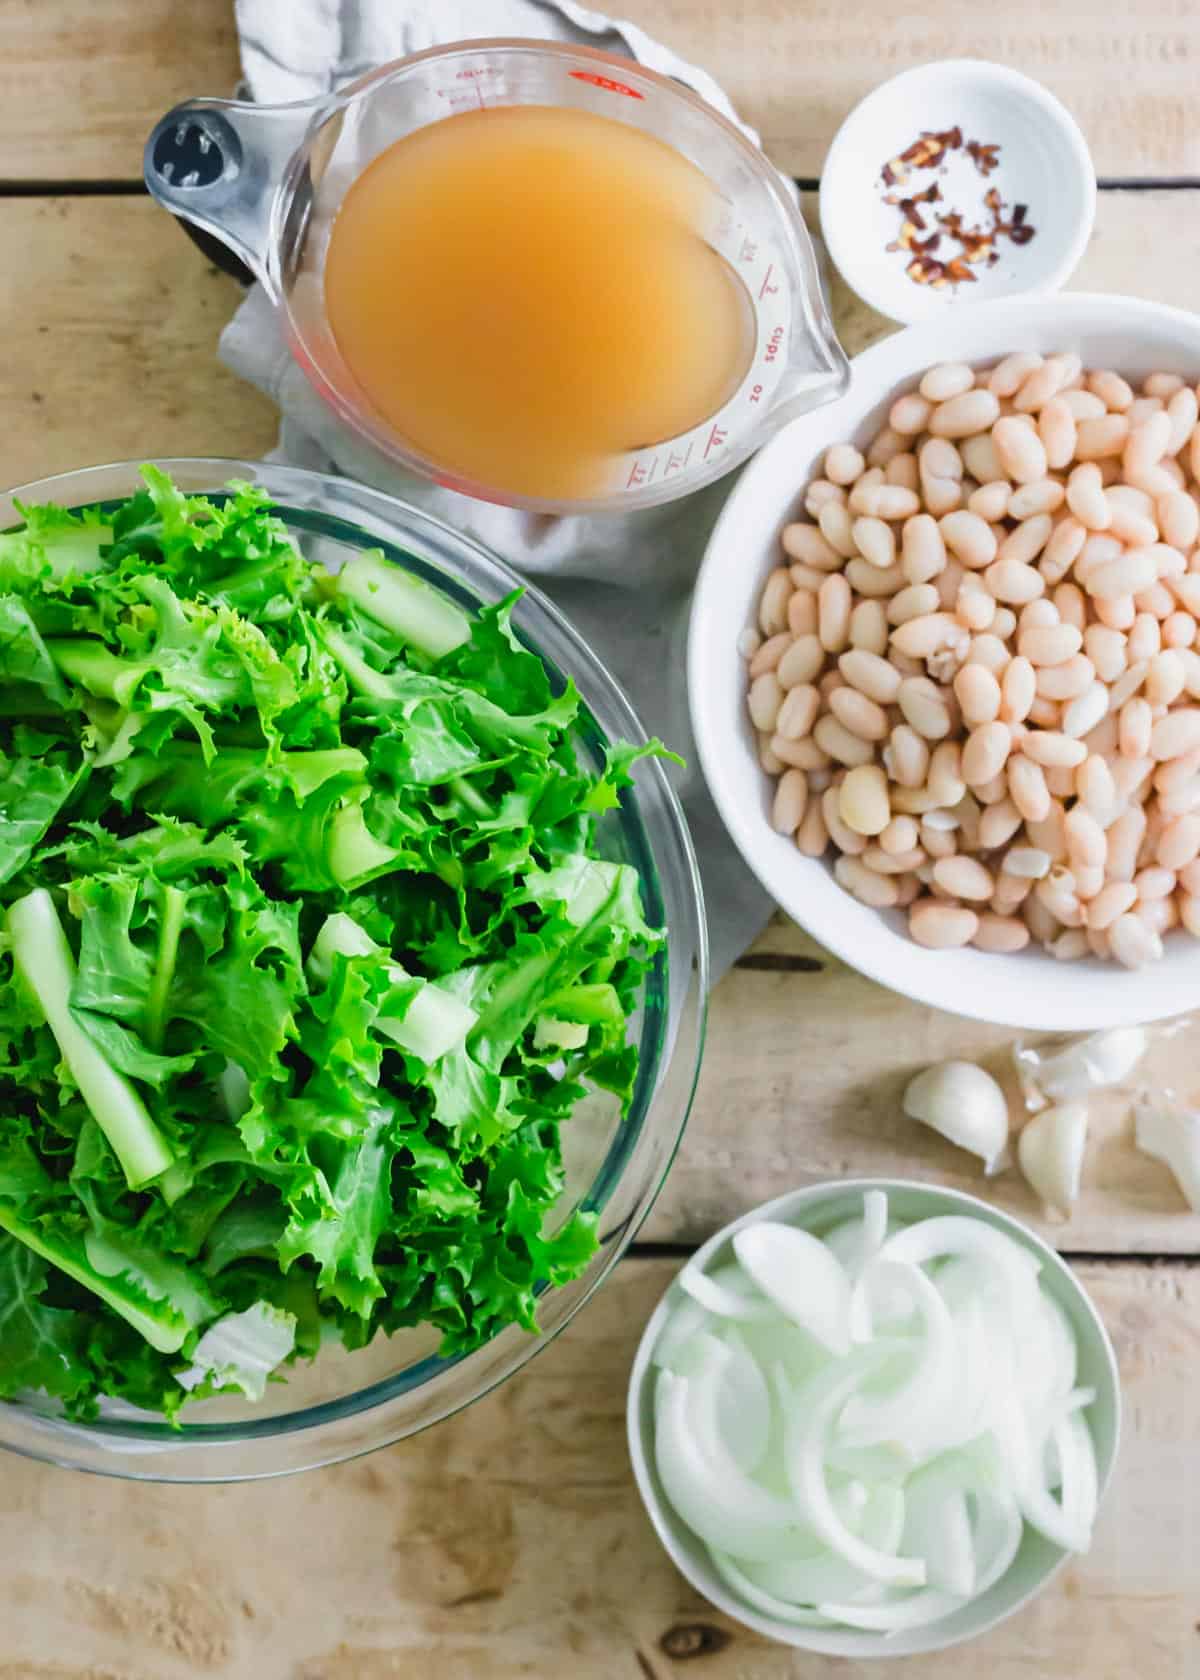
(818, 1208)
(1031, 989)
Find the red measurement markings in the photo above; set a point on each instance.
(639, 474)
(774, 345)
(677, 462)
(767, 289)
(473, 75)
(716, 440)
(607, 83)
(748, 251)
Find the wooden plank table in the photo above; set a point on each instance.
(508, 1542)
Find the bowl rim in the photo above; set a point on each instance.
(800, 1206)
(876, 372)
(325, 1432)
(884, 294)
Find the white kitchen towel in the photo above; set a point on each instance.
(624, 580)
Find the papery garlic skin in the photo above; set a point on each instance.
(1063, 1073)
(1050, 1153)
(964, 1104)
(1171, 1134)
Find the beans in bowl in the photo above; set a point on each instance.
(976, 670)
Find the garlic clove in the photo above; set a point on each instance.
(1050, 1154)
(964, 1104)
(1171, 1135)
(1063, 1072)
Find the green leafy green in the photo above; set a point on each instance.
(307, 954)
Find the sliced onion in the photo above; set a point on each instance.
(884, 1463)
(808, 1427)
(974, 1355)
(1066, 1521)
(856, 1242)
(731, 1397)
(758, 1599)
(896, 1615)
(996, 1539)
(1063, 1350)
(797, 1272)
(917, 1411)
(685, 1321)
(938, 1528)
(1016, 1269)
(728, 1293)
(778, 1343)
(807, 1580)
(998, 1531)
(708, 1491)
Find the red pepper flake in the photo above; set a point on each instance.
(977, 245)
(985, 158)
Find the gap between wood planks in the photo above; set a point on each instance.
(35, 187)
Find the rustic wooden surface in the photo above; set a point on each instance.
(509, 1543)
(90, 76)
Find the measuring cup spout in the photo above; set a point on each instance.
(219, 164)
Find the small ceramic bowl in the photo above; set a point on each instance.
(818, 1208)
(1042, 162)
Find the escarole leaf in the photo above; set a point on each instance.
(313, 936)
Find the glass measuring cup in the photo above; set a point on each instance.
(267, 181)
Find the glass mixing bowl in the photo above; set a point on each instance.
(344, 1403)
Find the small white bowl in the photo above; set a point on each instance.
(1043, 163)
(818, 1208)
(1031, 989)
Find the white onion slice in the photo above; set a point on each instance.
(777, 1342)
(916, 1413)
(685, 1321)
(758, 1599)
(727, 1293)
(952, 1235)
(797, 1272)
(856, 1242)
(938, 1528)
(808, 1428)
(974, 1355)
(1066, 1521)
(896, 1616)
(731, 1398)
(998, 1531)
(708, 1491)
(996, 1537)
(807, 1580)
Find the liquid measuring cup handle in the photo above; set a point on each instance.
(217, 164)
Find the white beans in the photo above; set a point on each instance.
(1021, 451)
(976, 670)
(941, 926)
(951, 379)
(969, 538)
(863, 800)
(964, 414)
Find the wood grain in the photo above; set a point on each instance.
(795, 70)
(802, 1080)
(84, 83)
(114, 319)
(509, 1544)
